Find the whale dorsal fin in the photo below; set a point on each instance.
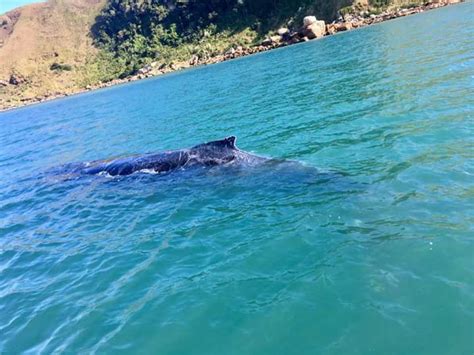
(228, 142)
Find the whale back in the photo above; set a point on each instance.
(214, 153)
(226, 143)
(219, 152)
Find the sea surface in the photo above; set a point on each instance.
(364, 245)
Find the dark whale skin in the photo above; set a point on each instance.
(213, 153)
(161, 162)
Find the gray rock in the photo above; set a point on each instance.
(194, 60)
(309, 20)
(146, 69)
(315, 30)
(267, 42)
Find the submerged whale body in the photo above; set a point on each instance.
(214, 153)
(246, 168)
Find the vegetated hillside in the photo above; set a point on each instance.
(61, 46)
(138, 31)
(34, 37)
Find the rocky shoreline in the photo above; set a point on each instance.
(311, 29)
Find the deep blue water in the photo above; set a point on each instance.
(377, 260)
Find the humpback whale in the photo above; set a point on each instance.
(213, 153)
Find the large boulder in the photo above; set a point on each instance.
(145, 70)
(331, 28)
(309, 20)
(194, 60)
(315, 30)
(275, 39)
(338, 27)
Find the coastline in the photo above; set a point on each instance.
(348, 23)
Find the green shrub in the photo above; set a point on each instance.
(375, 11)
(60, 67)
(134, 33)
(409, 5)
(102, 67)
(379, 3)
(346, 10)
(140, 31)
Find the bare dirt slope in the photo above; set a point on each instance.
(34, 37)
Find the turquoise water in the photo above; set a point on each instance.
(267, 261)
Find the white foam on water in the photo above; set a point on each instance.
(148, 171)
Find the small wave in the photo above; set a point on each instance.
(105, 174)
(148, 171)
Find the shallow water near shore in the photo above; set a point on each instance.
(364, 245)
